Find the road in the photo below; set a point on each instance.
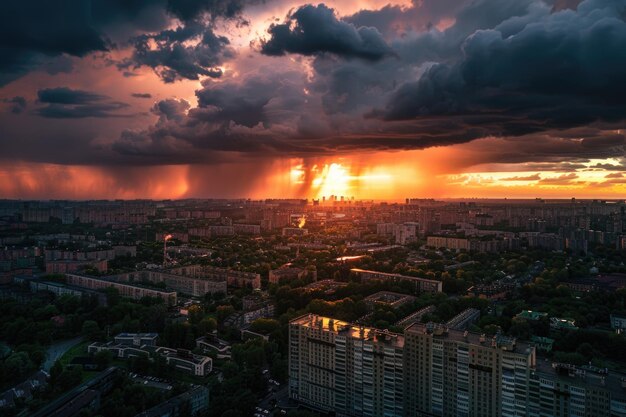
(280, 395)
(160, 384)
(56, 350)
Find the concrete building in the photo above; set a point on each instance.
(388, 298)
(349, 370)
(181, 359)
(464, 319)
(405, 233)
(63, 266)
(385, 229)
(125, 290)
(285, 274)
(433, 370)
(448, 243)
(246, 229)
(618, 323)
(455, 373)
(422, 285)
(194, 286)
(185, 361)
(137, 339)
(232, 277)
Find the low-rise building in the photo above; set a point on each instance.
(186, 361)
(64, 266)
(557, 323)
(618, 323)
(276, 276)
(137, 339)
(388, 298)
(422, 285)
(125, 290)
(232, 277)
(181, 359)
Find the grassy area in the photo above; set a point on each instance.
(77, 350)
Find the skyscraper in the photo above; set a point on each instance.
(338, 367)
(434, 370)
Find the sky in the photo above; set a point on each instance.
(372, 99)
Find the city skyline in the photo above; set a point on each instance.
(376, 99)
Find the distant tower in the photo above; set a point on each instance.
(165, 239)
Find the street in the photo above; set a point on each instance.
(56, 350)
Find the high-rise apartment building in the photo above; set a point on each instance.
(433, 370)
(351, 370)
(455, 373)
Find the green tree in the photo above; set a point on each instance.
(91, 330)
(103, 358)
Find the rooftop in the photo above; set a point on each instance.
(143, 335)
(438, 330)
(389, 297)
(614, 382)
(392, 275)
(340, 327)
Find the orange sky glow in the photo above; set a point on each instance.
(390, 176)
(286, 147)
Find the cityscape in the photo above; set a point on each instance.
(341, 208)
(219, 307)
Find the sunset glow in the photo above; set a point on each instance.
(372, 111)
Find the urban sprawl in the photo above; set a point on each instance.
(311, 308)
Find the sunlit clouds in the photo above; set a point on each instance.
(364, 99)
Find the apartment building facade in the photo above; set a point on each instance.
(422, 285)
(434, 370)
(350, 370)
(125, 290)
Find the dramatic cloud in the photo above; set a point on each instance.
(312, 30)
(186, 52)
(31, 32)
(65, 103)
(527, 75)
(36, 34)
(188, 10)
(171, 109)
(528, 89)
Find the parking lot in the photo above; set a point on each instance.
(151, 381)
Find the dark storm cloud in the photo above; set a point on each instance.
(66, 103)
(40, 34)
(536, 75)
(516, 71)
(256, 116)
(33, 31)
(312, 30)
(540, 83)
(420, 16)
(65, 95)
(192, 9)
(141, 95)
(174, 58)
(171, 109)
(541, 152)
